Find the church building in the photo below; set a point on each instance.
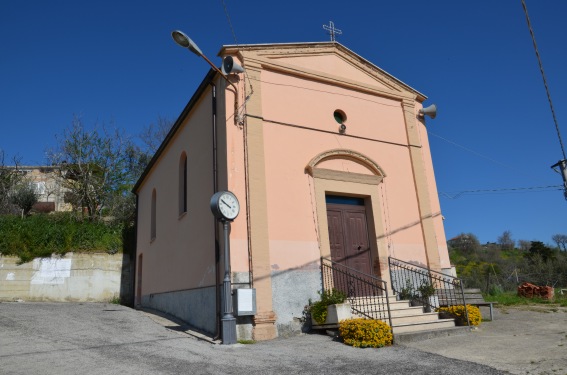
(328, 156)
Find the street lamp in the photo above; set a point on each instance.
(221, 201)
(184, 41)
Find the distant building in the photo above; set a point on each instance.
(51, 195)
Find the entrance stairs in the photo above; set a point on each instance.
(405, 318)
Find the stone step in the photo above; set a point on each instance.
(377, 299)
(399, 311)
(401, 304)
(408, 337)
(409, 318)
(421, 318)
(423, 326)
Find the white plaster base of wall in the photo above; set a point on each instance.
(197, 307)
(292, 290)
(75, 277)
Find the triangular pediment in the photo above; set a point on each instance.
(327, 61)
(338, 65)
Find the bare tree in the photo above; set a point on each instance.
(524, 245)
(92, 166)
(505, 241)
(153, 135)
(561, 241)
(10, 177)
(465, 242)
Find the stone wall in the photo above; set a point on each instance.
(74, 277)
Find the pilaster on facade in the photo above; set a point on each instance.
(264, 322)
(421, 186)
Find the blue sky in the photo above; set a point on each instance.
(115, 62)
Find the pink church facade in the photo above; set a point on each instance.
(323, 149)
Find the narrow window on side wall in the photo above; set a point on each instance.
(182, 184)
(153, 219)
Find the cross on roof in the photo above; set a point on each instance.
(332, 31)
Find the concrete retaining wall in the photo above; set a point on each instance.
(71, 278)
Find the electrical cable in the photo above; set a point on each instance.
(327, 92)
(532, 189)
(474, 152)
(246, 78)
(544, 80)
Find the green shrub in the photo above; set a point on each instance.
(43, 235)
(495, 289)
(458, 312)
(319, 309)
(365, 333)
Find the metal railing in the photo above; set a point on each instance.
(426, 287)
(367, 294)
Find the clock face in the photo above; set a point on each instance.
(228, 205)
(224, 205)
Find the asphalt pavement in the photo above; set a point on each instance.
(94, 338)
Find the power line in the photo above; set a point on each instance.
(229, 22)
(562, 164)
(473, 152)
(532, 189)
(246, 78)
(544, 80)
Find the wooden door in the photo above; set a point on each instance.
(357, 249)
(348, 239)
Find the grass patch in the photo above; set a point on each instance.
(246, 342)
(42, 235)
(512, 299)
(115, 300)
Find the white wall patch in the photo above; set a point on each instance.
(51, 271)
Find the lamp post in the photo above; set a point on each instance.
(184, 41)
(224, 205)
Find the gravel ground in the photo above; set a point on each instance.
(91, 338)
(520, 340)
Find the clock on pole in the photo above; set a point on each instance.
(225, 208)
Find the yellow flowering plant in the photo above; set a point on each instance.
(365, 333)
(458, 312)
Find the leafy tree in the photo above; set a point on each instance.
(24, 196)
(505, 241)
(561, 241)
(538, 249)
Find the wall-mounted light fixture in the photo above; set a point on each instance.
(342, 129)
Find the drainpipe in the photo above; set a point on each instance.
(216, 226)
(134, 263)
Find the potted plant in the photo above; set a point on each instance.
(407, 292)
(427, 295)
(331, 309)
